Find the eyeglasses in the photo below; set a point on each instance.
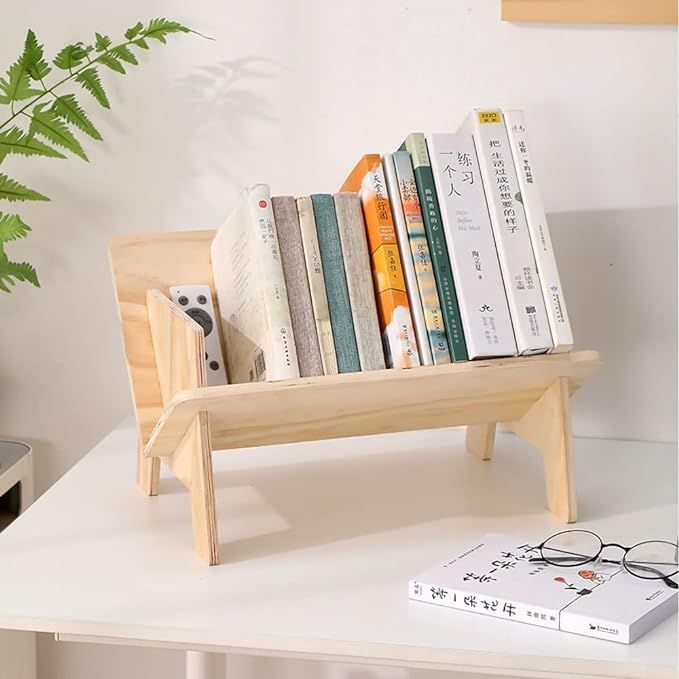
(650, 560)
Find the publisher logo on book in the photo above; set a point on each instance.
(605, 630)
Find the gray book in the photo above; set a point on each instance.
(297, 286)
(359, 280)
(336, 283)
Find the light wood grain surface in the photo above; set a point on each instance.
(592, 11)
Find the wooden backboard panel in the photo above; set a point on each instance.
(139, 263)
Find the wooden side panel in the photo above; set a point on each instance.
(591, 11)
(547, 426)
(179, 349)
(335, 406)
(140, 263)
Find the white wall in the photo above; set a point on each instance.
(292, 93)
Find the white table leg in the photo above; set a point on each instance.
(200, 665)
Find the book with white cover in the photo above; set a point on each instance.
(494, 576)
(471, 246)
(531, 198)
(412, 287)
(514, 248)
(253, 303)
(319, 297)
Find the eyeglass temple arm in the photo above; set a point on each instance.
(648, 569)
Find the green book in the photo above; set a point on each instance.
(416, 145)
(336, 287)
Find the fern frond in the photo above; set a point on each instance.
(16, 85)
(159, 28)
(134, 31)
(47, 123)
(13, 272)
(89, 79)
(125, 53)
(68, 108)
(12, 191)
(34, 61)
(140, 42)
(102, 42)
(71, 56)
(12, 227)
(112, 61)
(15, 141)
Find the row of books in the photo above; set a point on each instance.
(437, 252)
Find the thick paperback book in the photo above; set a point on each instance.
(531, 199)
(495, 577)
(514, 248)
(398, 334)
(471, 246)
(250, 286)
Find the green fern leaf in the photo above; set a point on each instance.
(159, 28)
(102, 42)
(15, 141)
(112, 61)
(140, 42)
(89, 79)
(69, 109)
(13, 272)
(134, 31)
(123, 52)
(12, 227)
(16, 85)
(47, 123)
(34, 61)
(12, 191)
(71, 56)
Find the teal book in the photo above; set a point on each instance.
(416, 145)
(336, 288)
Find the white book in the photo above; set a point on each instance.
(319, 298)
(253, 303)
(473, 258)
(495, 577)
(531, 198)
(412, 287)
(514, 249)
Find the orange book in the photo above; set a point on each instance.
(398, 333)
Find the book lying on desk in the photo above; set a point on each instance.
(495, 577)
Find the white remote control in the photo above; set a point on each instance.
(196, 302)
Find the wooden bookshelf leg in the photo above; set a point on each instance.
(148, 472)
(481, 439)
(547, 426)
(192, 463)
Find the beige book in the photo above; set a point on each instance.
(319, 298)
(359, 280)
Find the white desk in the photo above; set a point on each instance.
(319, 541)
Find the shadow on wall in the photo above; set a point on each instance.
(619, 274)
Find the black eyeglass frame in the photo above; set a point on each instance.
(602, 545)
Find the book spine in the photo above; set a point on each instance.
(431, 214)
(471, 246)
(297, 286)
(398, 333)
(531, 199)
(478, 602)
(336, 283)
(515, 252)
(412, 287)
(359, 281)
(281, 357)
(319, 298)
(421, 258)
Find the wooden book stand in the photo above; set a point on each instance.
(181, 420)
